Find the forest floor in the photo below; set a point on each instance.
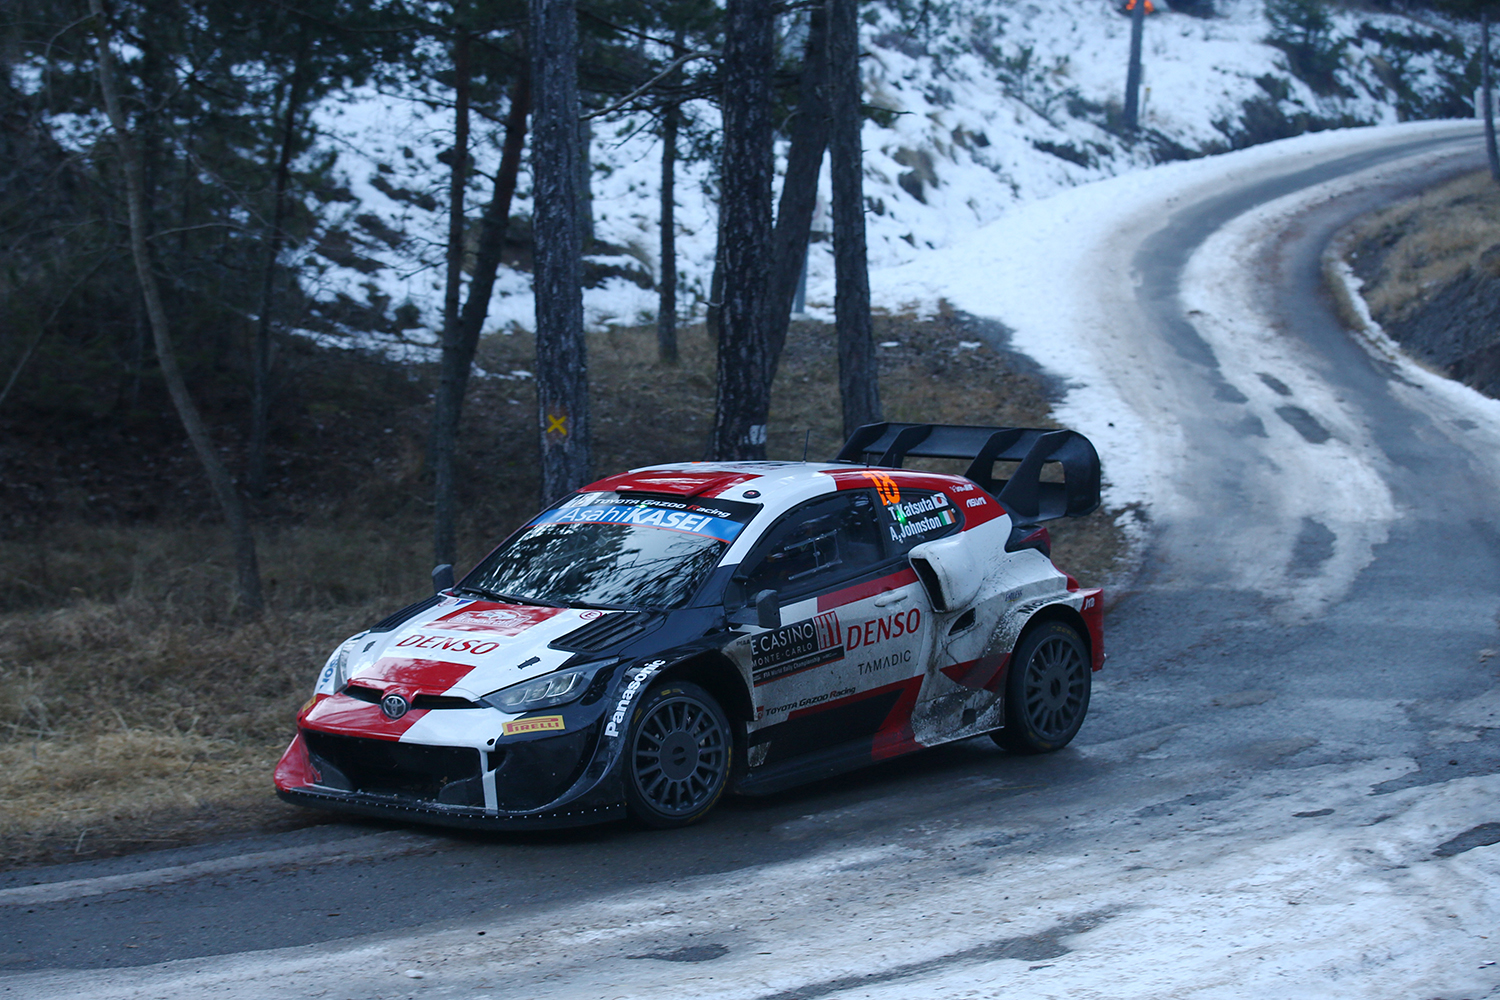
(137, 710)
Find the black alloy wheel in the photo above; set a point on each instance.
(1046, 691)
(678, 755)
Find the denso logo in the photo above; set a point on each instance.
(474, 647)
(880, 629)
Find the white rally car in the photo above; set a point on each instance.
(674, 632)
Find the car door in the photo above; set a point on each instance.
(847, 661)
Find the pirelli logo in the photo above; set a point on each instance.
(799, 646)
(538, 724)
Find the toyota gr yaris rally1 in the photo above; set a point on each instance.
(666, 635)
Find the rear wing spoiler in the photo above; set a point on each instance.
(1023, 495)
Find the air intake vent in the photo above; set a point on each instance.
(386, 767)
(363, 693)
(611, 630)
(410, 611)
(442, 701)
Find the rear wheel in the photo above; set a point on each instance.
(678, 755)
(1046, 690)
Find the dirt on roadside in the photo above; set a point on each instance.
(1430, 268)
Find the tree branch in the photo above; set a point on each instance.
(637, 92)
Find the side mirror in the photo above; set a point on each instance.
(442, 577)
(767, 609)
(763, 610)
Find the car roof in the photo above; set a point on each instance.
(775, 484)
(780, 486)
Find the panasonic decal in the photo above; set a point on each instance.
(650, 670)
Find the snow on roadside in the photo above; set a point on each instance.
(992, 104)
(1055, 270)
(1463, 413)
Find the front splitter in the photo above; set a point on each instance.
(464, 817)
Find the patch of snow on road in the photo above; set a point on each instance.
(1302, 884)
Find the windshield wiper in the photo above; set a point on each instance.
(496, 595)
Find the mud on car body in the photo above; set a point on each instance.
(672, 633)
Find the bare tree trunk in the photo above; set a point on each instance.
(457, 364)
(561, 352)
(859, 386)
(715, 310)
(799, 189)
(666, 308)
(586, 185)
(1485, 81)
(493, 225)
(247, 572)
(453, 371)
(261, 359)
(1133, 70)
(744, 397)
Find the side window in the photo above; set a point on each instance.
(819, 543)
(917, 516)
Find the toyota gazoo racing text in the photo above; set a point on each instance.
(668, 634)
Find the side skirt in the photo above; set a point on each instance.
(807, 767)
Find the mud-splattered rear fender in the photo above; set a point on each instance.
(1082, 609)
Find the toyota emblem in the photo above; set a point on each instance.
(394, 706)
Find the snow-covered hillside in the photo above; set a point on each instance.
(992, 103)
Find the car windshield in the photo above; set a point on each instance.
(608, 550)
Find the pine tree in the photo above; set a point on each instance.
(744, 396)
(799, 188)
(859, 387)
(561, 358)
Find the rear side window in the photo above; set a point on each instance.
(912, 517)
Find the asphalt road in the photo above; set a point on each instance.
(1227, 716)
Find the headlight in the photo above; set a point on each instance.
(546, 691)
(336, 671)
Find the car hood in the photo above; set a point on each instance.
(468, 648)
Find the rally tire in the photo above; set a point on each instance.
(679, 752)
(1046, 690)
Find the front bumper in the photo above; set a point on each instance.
(539, 783)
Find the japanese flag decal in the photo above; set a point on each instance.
(650, 670)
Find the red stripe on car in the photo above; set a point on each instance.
(675, 482)
(888, 483)
(895, 736)
(915, 682)
(348, 716)
(860, 591)
(1092, 611)
(412, 675)
(295, 770)
(981, 674)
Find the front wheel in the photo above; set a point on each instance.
(678, 754)
(1046, 690)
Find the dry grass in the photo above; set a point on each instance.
(1427, 242)
(135, 710)
(182, 572)
(135, 727)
